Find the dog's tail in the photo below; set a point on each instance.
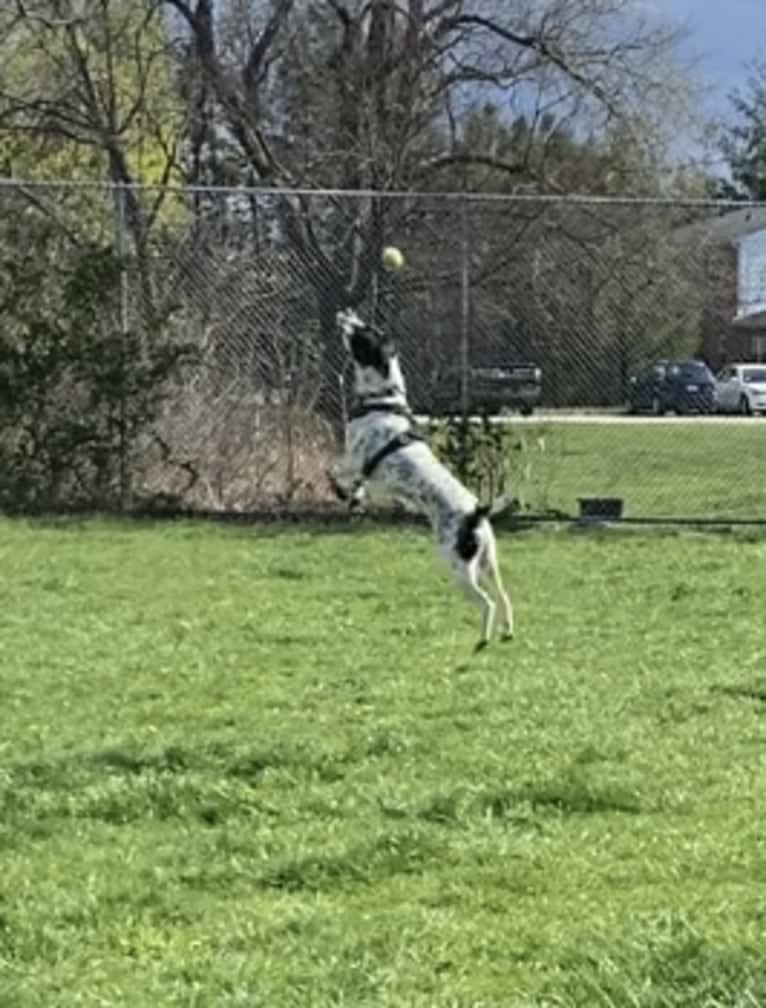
(502, 504)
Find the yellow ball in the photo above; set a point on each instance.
(392, 258)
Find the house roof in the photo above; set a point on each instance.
(728, 227)
(753, 320)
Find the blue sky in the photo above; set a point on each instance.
(728, 34)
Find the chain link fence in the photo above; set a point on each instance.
(176, 347)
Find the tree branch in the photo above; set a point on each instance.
(479, 160)
(539, 44)
(184, 10)
(255, 66)
(248, 133)
(27, 15)
(45, 207)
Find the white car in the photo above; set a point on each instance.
(741, 388)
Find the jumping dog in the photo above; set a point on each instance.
(384, 450)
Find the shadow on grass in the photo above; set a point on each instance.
(755, 690)
(313, 522)
(209, 782)
(570, 796)
(406, 852)
(318, 521)
(524, 807)
(740, 530)
(121, 785)
(225, 759)
(660, 971)
(62, 771)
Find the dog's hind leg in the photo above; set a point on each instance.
(493, 570)
(467, 576)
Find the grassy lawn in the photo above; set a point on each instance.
(661, 469)
(261, 768)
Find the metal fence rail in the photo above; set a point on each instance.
(177, 346)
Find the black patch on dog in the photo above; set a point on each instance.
(467, 542)
(369, 350)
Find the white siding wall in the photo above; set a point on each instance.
(751, 275)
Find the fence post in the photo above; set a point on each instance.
(121, 246)
(465, 322)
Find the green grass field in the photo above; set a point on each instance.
(261, 768)
(662, 469)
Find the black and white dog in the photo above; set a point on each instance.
(384, 450)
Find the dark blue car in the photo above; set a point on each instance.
(679, 386)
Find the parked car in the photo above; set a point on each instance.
(678, 386)
(495, 385)
(741, 388)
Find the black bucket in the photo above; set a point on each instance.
(597, 509)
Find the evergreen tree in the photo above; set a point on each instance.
(745, 141)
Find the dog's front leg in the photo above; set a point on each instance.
(347, 483)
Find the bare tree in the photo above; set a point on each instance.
(361, 95)
(370, 96)
(89, 77)
(356, 94)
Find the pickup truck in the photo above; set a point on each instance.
(496, 386)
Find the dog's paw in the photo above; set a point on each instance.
(338, 490)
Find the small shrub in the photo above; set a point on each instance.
(493, 459)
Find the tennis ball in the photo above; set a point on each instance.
(392, 258)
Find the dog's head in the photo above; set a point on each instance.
(376, 364)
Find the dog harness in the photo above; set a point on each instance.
(402, 440)
(395, 444)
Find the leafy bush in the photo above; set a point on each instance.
(76, 388)
(493, 459)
